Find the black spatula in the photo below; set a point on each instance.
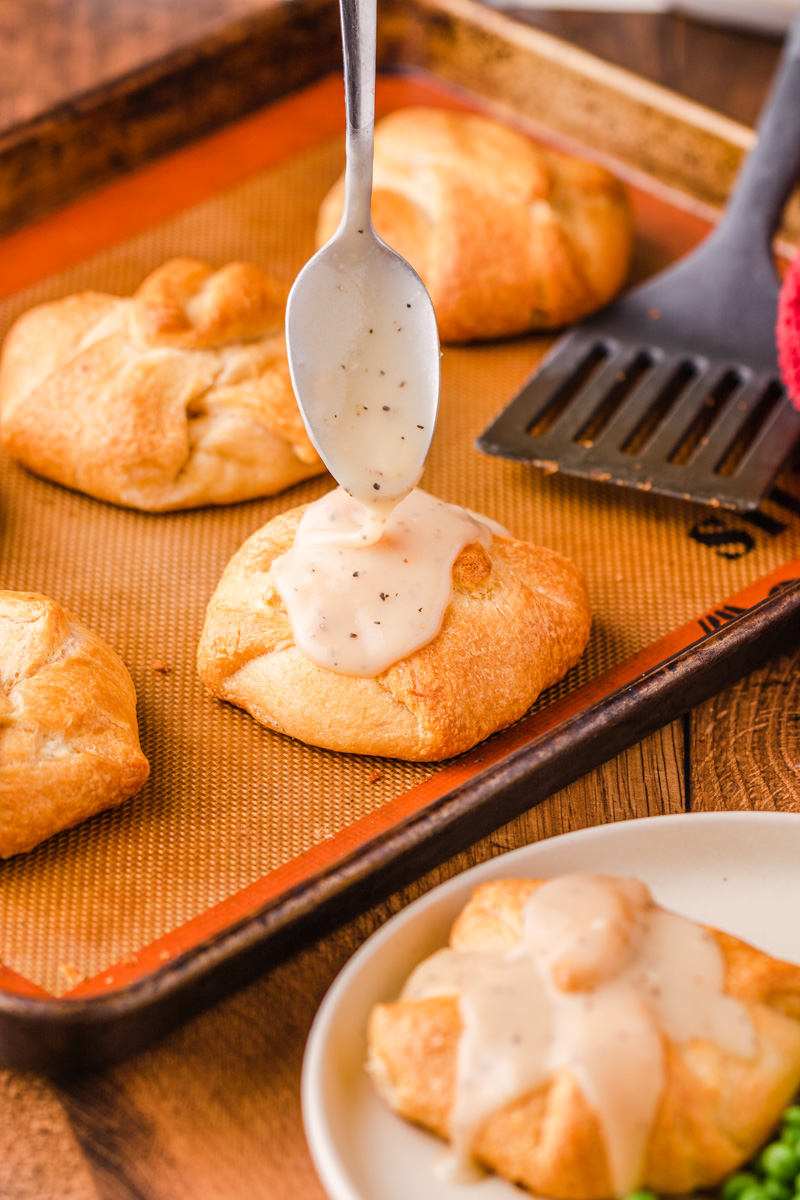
(675, 387)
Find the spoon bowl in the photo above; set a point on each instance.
(361, 332)
(364, 359)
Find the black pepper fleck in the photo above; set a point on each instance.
(386, 408)
(420, 427)
(384, 596)
(408, 306)
(380, 372)
(353, 635)
(355, 574)
(402, 383)
(377, 487)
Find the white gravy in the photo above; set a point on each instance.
(599, 976)
(376, 364)
(357, 608)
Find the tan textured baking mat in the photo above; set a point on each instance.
(227, 802)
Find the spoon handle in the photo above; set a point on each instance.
(359, 20)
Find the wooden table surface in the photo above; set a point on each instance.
(213, 1112)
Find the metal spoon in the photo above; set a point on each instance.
(360, 327)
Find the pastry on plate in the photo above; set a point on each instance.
(581, 1041)
(174, 397)
(427, 662)
(506, 235)
(69, 742)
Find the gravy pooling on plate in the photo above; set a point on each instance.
(598, 978)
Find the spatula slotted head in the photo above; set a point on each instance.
(630, 413)
(675, 387)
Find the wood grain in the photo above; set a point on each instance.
(744, 748)
(54, 50)
(39, 1156)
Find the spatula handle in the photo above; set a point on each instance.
(359, 23)
(766, 178)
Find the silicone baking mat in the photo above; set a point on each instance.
(233, 813)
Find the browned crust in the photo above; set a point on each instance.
(176, 397)
(507, 236)
(519, 618)
(715, 1112)
(69, 742)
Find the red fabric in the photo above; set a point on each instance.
(788, 331)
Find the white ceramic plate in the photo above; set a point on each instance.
(737, 871)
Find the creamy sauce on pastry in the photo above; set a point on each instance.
(599, 977)
(377, 374)
(356, 608)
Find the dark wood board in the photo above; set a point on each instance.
(118, 126)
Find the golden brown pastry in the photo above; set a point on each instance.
(69, 743)
(517, 619)
(506, 235)
(175, 397)
(715, 1093)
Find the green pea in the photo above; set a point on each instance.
(641, 1194)
(755, 1191)
(790, 1136)
(779, 1160)
(792, 1116)
(733, 1187)
(777, 1190)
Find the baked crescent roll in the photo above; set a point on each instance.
(506, 235)
(517, 620)
(712, 1108)
(175, 397)
(69, 743)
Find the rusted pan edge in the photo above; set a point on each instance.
(121, 125)
(66, 1036)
